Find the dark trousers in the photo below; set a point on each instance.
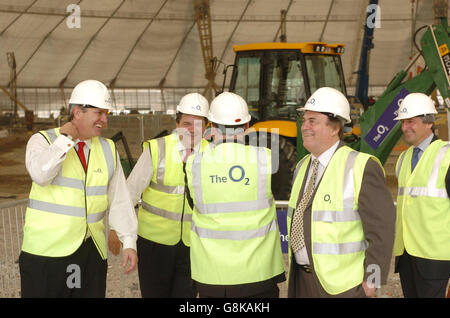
(239, 291)
(164, 271)
(82, 274)
(304, 284)
(414, 283)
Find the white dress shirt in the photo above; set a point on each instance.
(301, 257)
(44, 161)
(139, 179)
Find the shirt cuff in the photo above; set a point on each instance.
(129, 242)
(64, 143)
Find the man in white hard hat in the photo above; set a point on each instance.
(422, 242)
(164, 218)
(235, 241)
(341, 216)
(77, 177)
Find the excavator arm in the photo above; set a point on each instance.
(379, 131)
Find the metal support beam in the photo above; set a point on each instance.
(112, 83)
(12, 82)
(283, 36)
(285, 19)
(203, 19)
(17, 18)
(358, 42)
(214, 18)
(234, 30)
(326, 21)
(163, 79)
(440, 8)
(42, 42)
(89, 43)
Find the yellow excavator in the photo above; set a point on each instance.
(277, 78)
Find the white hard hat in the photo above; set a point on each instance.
(415, 104)
(229, 109)
(329, 100)
(193, 104)
(92, 93)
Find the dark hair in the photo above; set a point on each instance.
(179, 115)
(336, 122)
(429, 119)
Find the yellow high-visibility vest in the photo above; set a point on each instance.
(234, 237)
(423, 205)
(165, 216)
(59, 214)
(337, 236)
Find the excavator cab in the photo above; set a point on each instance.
(277, 78)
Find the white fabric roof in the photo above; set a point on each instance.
(140, 42)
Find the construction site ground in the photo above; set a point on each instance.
(15, 184)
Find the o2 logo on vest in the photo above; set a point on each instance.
(327, 198)
(235, 174)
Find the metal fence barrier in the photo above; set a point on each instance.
(12, 216)
(11, 234)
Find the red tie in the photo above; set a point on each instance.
(81, 154)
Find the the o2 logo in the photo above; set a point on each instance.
(235, 174)
(242, 175)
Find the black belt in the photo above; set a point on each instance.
(305, 268)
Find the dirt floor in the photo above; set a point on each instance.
(15, 184)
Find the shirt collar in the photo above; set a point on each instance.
(87, 142)
(325, 157)
(424, 144)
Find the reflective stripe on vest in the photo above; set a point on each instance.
(156, 219)
(160, 186)
(337, 236)
(259, 204)
(423, 204)
(57, 218)
(430, 190)
(347, 215)
(235, 235)
(65, 210)
(166, 214)
(235, 239)
(340, 248)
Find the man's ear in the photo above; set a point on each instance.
(76, 112)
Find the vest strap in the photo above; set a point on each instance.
(56, 208)
(234, 235)
(109, 156)
(65, 210)
(79, 184)
(166, 214)
(347, 215)
(430, 190)
(339, 248)
(161, 167)
(423, 191)
(166, 188)
(95, 217)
